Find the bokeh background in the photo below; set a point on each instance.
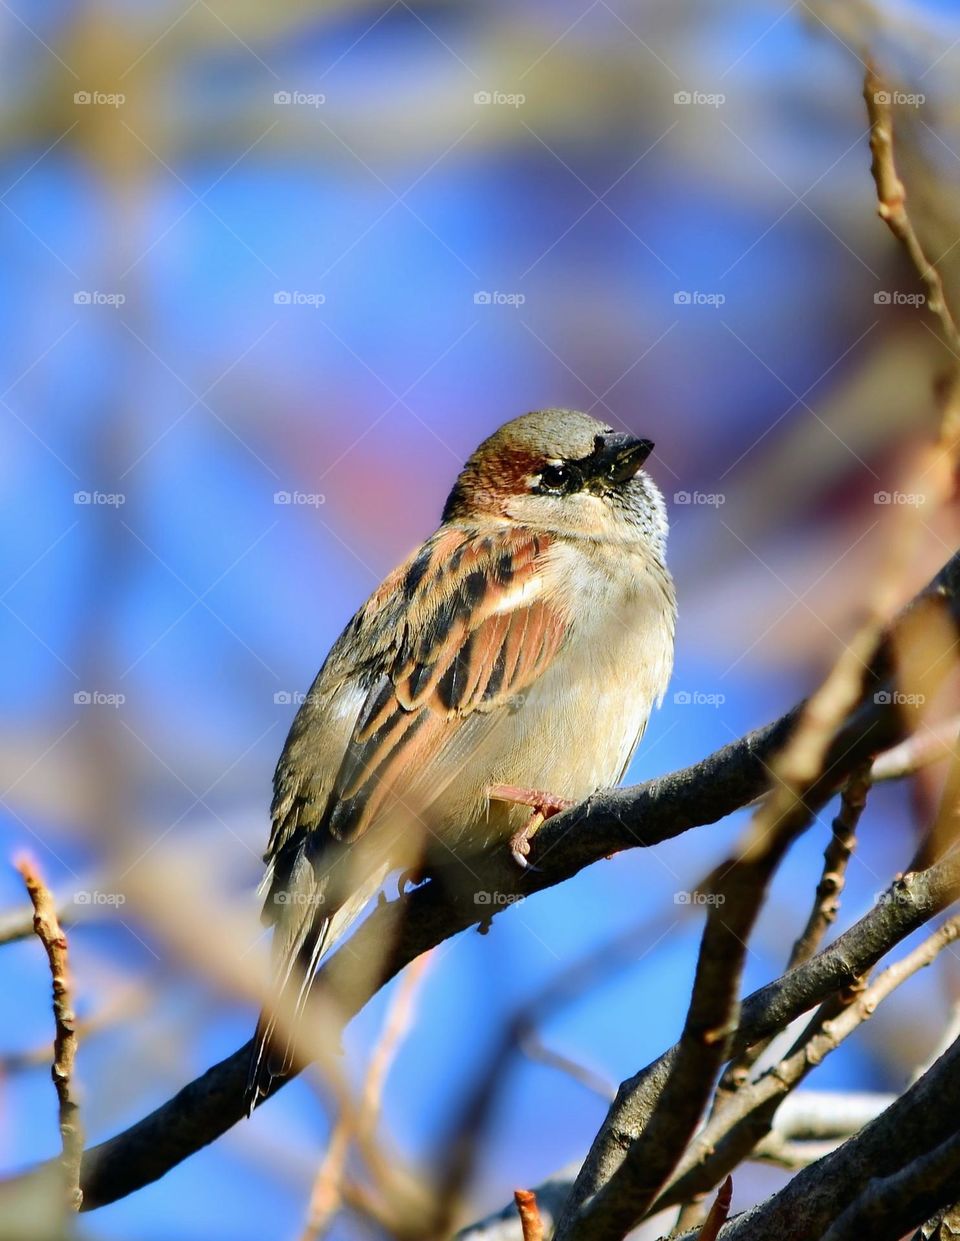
(270, 273)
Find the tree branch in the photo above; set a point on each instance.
(47, 927)
(606, 823)
(920, 1126)
(738, 895)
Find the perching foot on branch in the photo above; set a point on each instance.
(544, 806)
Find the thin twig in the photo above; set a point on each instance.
(927, 746)
(917, 1123)
(529, 1213)
(47, 927)
(910, 903)
(825, 904)
(717, 1215)
(748, 1116)
(892, 198)
(836, 856)
(738, 893)
(326, 1195)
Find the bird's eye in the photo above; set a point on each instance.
(554, 477)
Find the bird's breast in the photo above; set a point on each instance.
(577, 727)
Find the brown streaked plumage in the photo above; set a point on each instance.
(522, 646)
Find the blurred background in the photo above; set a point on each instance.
(270, 273)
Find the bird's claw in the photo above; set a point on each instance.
(543, 806)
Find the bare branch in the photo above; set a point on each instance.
(738, 894)
(47, 927)
(922, 749)
(747, 1117)
(718, 1213)
(917, 1124)
(824, 911)
(892, 197)
(530, 1221)
(894, 1203)
(326, 1195)
(836, 855)
(606, 823)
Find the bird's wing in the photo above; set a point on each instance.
(419, 676)
(473, 628)
(453, 635)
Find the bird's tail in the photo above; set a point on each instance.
(273, 1049)
(300, 943)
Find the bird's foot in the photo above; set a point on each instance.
(544, 806)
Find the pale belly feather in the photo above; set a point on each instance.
(576, 730)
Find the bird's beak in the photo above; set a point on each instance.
(625, 454)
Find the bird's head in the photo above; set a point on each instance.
(565, 472)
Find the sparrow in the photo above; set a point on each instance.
(504, 671)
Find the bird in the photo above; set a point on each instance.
(504, 671)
